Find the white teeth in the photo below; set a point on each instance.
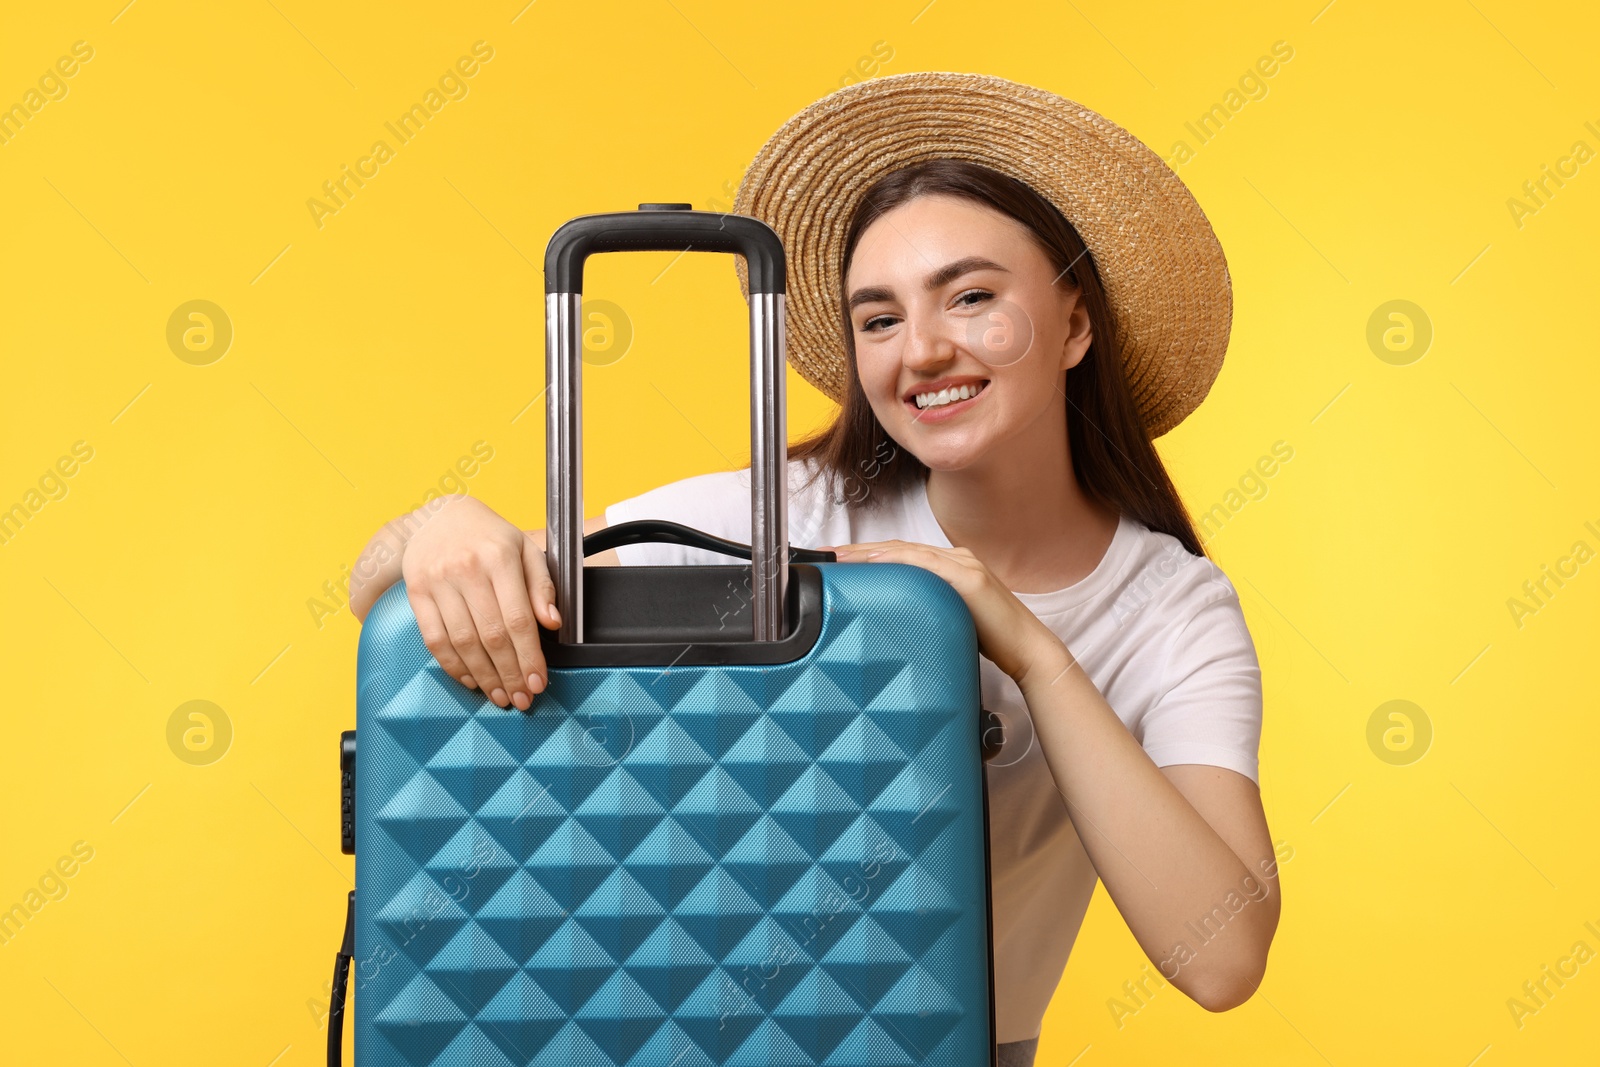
(947, 396)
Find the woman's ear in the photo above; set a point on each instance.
(1080, 332)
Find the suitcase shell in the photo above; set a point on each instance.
(681, 866)
(698, 847)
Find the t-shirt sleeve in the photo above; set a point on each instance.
(717, 503)
(1210, 712)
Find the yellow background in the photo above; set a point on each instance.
(369, 354)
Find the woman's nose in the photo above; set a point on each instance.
(928, 344)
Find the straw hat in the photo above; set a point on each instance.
(1161, 264)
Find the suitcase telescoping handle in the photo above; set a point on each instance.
(665, 228)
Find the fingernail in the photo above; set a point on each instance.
(466, 680)
(554, 614)
(499, 697)
(522, 700)
(536, 683)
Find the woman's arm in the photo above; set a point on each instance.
(378, 566)
(1183, 851)
(479, 588)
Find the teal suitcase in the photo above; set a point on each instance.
(755, 836)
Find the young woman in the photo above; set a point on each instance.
(998, 398)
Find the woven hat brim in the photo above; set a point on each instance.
(1163, 269)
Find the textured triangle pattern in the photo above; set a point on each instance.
(684, 866)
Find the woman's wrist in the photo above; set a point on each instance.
(1044, 665)
(379, 565)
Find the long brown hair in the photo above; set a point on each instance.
(1112, 455)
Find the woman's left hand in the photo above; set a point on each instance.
(1008, 633)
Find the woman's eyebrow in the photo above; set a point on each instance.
(870, 295)
(941, 277)
(951, 271)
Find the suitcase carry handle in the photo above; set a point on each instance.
(340, 990)
(662, 532)
(671, 228)
(664, 228)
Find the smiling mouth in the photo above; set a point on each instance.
(938, 398)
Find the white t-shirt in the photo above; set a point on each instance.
(1159, 632)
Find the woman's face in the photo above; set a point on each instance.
(961, 333)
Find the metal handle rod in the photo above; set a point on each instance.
(563, 433)
(769, 539)
(769, 461)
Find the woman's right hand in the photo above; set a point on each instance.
(480, 590)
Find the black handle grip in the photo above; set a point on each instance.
(347, 792)
(663, 228)
(659, 531)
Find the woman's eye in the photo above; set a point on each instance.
(973, 297)
(879, 322)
